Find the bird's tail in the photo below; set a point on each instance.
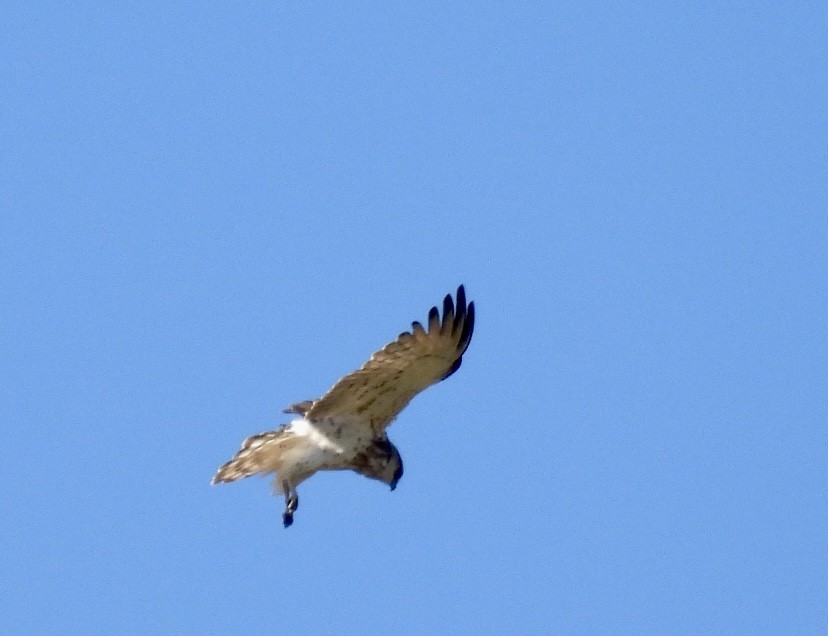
(258, 454)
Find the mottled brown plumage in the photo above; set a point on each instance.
(345, 428)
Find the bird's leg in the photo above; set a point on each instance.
(291, 503)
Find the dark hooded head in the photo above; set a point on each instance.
(381, 461)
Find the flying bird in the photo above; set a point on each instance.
(345, 428)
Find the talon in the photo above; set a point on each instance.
(293, 503)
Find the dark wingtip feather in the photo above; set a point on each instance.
(448, 312)
(468, 328)
(433, 319)
(464, 316)
(461, 300)
(460, 313)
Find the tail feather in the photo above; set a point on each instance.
(258, 454)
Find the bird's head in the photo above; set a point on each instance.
(381, 461)
(392, 464)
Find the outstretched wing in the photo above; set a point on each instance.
(385, 384)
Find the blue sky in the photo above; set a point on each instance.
(210, 212)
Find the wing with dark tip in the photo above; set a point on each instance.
(377, 392)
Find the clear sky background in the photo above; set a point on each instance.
(211, 210)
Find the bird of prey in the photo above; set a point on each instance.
(345, 428)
